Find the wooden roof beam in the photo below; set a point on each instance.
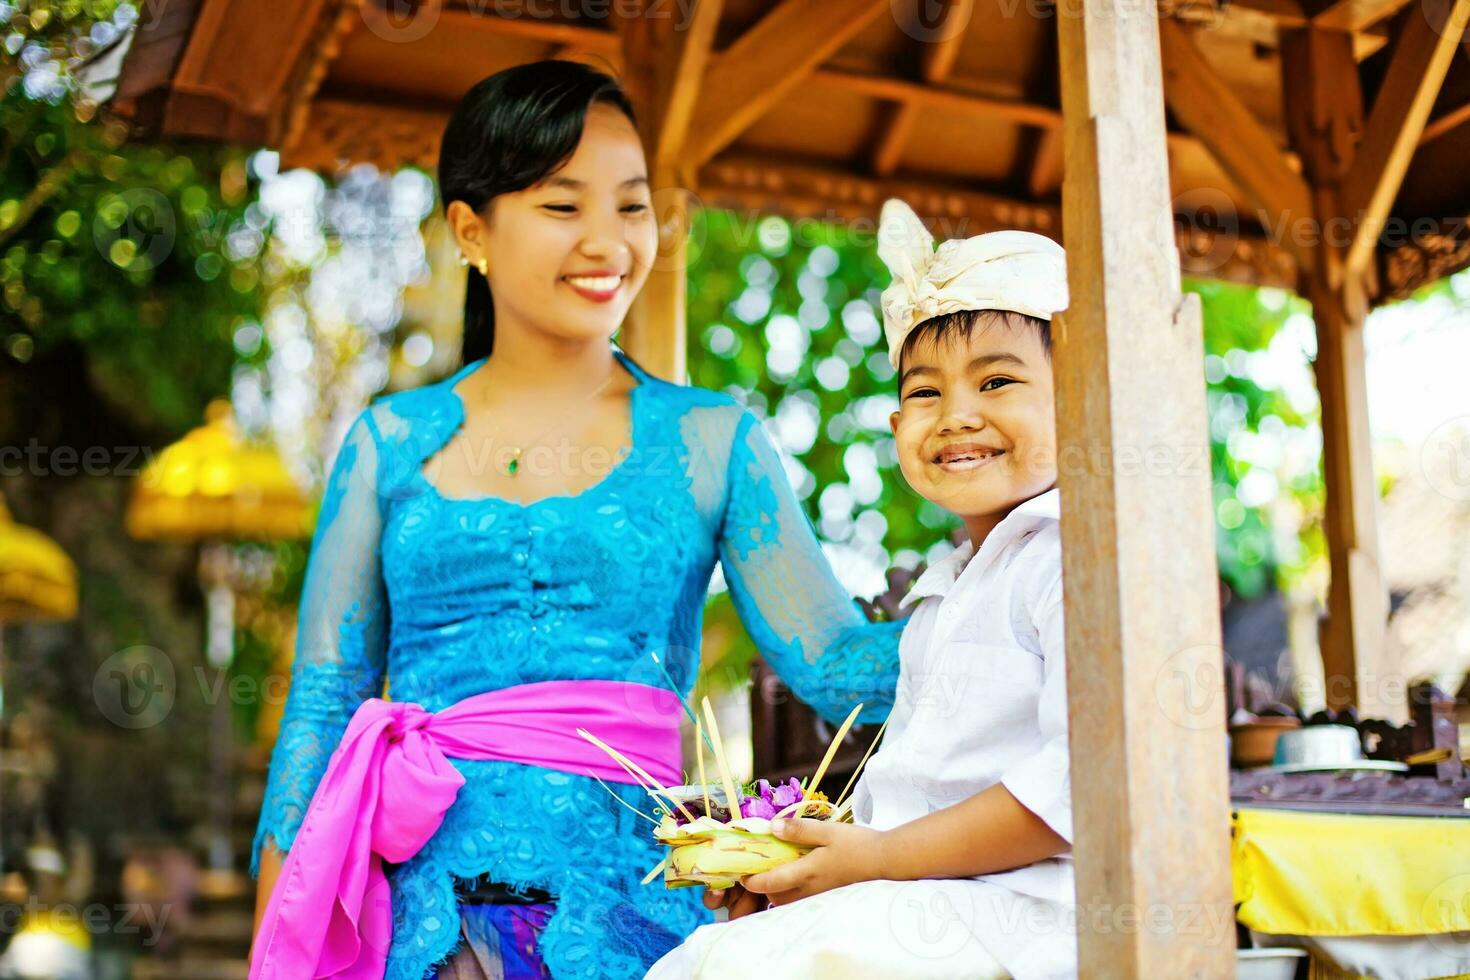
(1045, 174)
(664, 67)
(1453, 119)
(767, 62)
(937, 61)
(1417, 68)
(1207, 106)
(1355, 16)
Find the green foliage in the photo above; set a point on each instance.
(774, 306)
(123, 250)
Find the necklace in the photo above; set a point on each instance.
(513, 466)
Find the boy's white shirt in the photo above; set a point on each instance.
(982, 698)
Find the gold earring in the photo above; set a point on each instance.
(484, 266)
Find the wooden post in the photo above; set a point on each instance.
(664, 70)
(1145, 665)
(1324, 114)
(656, 331)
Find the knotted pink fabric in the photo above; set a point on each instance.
(389, 784)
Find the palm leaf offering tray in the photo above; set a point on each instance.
(708, 842)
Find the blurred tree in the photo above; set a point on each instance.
(143, 256)
(785, 315)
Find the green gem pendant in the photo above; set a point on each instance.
(514, 464)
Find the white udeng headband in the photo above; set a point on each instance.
(1018, 271)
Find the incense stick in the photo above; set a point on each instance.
(699, 754)
(675, 690)
(864, 761)
(832, 751)
(732, 795)
(635, 770)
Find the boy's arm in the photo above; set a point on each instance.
(991, 831)
(1025, 818)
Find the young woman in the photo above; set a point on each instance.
(533, 529)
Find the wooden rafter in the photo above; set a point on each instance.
(936, 62)
(1451, 120)
(1207, 106)
(1261, 21)
(954, 96)
(1045, 174)
(695, 45)
(1356, 15)
(768, 61)
(212, 94)
(1417, 68)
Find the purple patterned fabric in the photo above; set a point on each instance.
(500, 941)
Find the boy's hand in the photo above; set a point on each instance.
(844, 854)
(736, 899)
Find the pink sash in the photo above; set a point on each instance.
(389, 784)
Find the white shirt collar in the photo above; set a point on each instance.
(939, 577)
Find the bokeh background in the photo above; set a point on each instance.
(153, 289)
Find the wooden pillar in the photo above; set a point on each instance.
(664, 68)
(1325, 117)
(656, 331)
(1145, 670)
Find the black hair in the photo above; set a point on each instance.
(509, 132)
(959, 325)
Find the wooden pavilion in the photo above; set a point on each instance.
(1316, 145)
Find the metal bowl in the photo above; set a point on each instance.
(1267, 964)
(1324, 746)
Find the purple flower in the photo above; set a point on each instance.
(764, 788)
(786, 794)
(754, 806)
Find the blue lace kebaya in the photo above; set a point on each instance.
(440, 598)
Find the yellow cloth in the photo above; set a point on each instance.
(1329, 874)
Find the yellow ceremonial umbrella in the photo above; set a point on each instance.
(213, 487)
(37, 581)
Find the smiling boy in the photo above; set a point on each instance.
(957, 864)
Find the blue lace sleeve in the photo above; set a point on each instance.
(807, 627)
(341, 636)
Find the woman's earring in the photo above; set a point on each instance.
(484, 266)
(464, 259)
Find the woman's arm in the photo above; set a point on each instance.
(807, 627)
(268, 862)
(341, 644)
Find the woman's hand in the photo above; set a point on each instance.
(844, 854)
(735, 898)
